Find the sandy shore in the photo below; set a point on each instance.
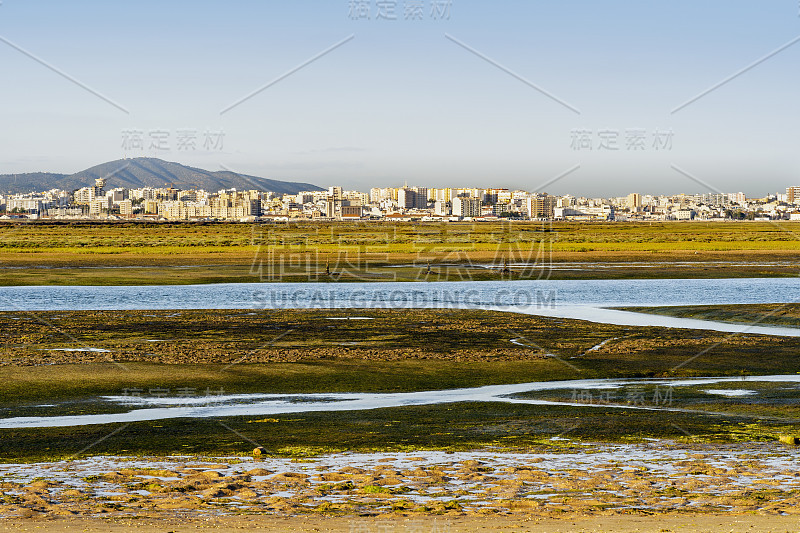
(608, 482)
(689, 523)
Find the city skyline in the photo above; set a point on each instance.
(406, 184)
(513, 94)
(390, 203)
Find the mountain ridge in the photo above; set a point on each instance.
(140, 172)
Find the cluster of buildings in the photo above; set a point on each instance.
(389, 203)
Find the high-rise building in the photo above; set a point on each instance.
(377, 194)
(792, 194)
(634, 201)
(333, 203)
(412, 197)
(541, 205)
(100, 205)
(739, 197)
(99, 185)
(465, 207)
(126, 208)
(150, 207)
(84, 196)
(117, 195)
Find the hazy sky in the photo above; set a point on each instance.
(400, 101)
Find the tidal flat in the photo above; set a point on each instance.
(66, 363)
(586, 479)
(659, 442)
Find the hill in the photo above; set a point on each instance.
(148, 172)
(28, 182)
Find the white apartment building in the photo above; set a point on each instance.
(466, 207)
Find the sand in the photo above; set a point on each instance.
(614, 485)
(690, 523)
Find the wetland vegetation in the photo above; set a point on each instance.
(306, 351)
(129, 253)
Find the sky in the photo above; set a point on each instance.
(581, 97)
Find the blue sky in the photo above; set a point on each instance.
(400, 102)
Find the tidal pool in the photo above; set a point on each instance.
(160, 408)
